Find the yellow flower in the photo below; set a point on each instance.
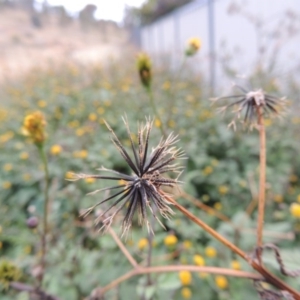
(92, 117)
(295, 210)
(186, 293)
(171, 123)
(278, 198)
(199, 260)
(223, 189)
(1, 245)
(185, 277)
(55, 149)
(100, 110)
(80, 131)
(24, 155)
(205, 198)
(193, 46)
(210, 251)
(170, 240)
(80, 154)
(157, 123)
(90, 180)
(187, 244)
(235, 264)
(42, 103)
(207, 170)
(268, 122)
(7, 167)
(69, 175)
(218, 206)
(34, 126)
(6, 185)
(26, 176)
(221, 282)
(142, 244)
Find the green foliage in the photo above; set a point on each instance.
(221, 170)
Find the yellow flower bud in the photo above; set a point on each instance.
(193, 45)
(144, 67)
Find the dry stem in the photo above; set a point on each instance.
(269, 277)
(164, 269)
(262, 181)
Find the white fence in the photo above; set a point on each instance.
(236, 35)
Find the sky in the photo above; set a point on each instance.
(107, 9)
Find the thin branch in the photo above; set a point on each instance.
(19, 286)
(208, 229)
(205, 207)
(173, 268)
(123, 248)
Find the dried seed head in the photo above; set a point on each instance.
(140, 191)
(252, 103)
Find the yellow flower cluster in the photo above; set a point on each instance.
(34, 126)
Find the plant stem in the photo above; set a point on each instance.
(165, 269)
(207, 228)
(269, 277)
(45, 216)
(262, 180)
(123, 248)
(155, 111)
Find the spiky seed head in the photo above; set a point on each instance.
(140, 191)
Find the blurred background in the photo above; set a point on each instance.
(77, 62)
